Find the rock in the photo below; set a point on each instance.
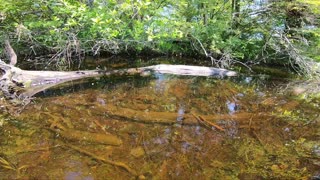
(141, 177)
(275, 168)
(137, 152)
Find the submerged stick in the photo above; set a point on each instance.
(205, 122)
(96, 157)
(211, 123)
(199, 120)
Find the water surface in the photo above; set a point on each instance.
(169, 127)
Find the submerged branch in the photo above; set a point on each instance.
(168, 118)
(206, 122)
(76, 135)
(96, 157)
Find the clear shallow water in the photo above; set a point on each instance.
(164, 127)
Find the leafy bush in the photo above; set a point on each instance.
(226, 32)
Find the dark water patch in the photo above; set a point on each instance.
(110, 82)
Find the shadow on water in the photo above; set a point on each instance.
(164, 127)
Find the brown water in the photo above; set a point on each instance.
(164, 127)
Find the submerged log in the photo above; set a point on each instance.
(23, 84)
(170, 118)
(76, 135)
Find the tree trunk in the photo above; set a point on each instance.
(16, 83)
(235, 12)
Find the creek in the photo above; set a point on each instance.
(164, 127)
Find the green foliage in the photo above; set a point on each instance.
(168, 27)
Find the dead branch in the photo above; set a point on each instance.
(297, 61)
(16, 83)
(11, 55)
(204, 121)
(213, 60)
(224, 62)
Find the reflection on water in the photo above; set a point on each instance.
(232, 106)
(160, 84)
(170, 127)
(180, 115)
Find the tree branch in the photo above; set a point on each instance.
(11, 55)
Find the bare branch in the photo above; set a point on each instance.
(11, 55)
(213, 60)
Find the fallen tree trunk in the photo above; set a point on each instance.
(16, 83)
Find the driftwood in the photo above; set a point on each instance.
(18, 84)
(23, 84)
